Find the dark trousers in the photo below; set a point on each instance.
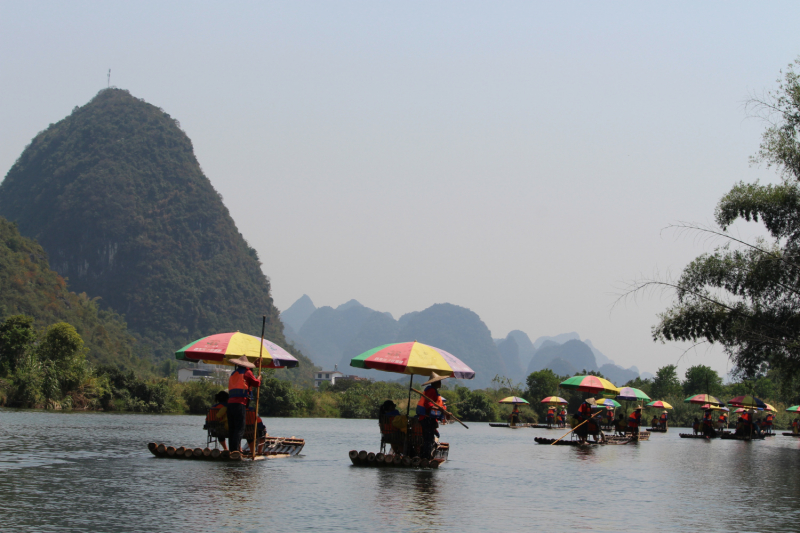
(429, 426)
(236, 417)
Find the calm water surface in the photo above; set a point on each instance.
(92, 472)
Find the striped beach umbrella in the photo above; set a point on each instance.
(218, 349)
(710, 407)
(413, 358)
(748, 401)
(770, 408)
(590, 384)
(703, 398)
(516, 400)
(607, 402)
(794, 409)
(555, 400)
(658, 404)
(631, 394)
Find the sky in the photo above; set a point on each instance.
(521, 159)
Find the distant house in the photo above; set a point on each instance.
(327, 375)
(204, 372)
(332, 375)
(194, 374)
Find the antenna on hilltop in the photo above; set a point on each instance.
(109, 78)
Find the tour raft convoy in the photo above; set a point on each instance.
(412, 441)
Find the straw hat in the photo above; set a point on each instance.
(434, 378)
(591, 401)
(242, 361)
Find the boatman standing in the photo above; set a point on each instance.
(634, 421)
(239, 385)
(430, 409)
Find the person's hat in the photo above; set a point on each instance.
(591, 401)
(664, 411)
(637, 408)
(242, 361)
(434, 378)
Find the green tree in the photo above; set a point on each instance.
(701, 379)
(16, 336)
(746, 296)
(666, 383)
(476, 406)
(278, 398)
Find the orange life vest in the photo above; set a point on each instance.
(634, 419)
(237, 386)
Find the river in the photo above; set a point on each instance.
(71, 472)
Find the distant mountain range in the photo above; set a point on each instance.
(332, 337)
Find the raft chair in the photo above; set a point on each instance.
(215, 428)
(390, 434)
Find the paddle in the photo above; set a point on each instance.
(448, 414)
(258, 391)
(576, 427)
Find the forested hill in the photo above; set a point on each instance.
(28, 286)
(116, 197)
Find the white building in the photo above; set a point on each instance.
(327, 375)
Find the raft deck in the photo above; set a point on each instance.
(612, 440)
(364, 458)
(276, 447)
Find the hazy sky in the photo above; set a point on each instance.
(517, 158)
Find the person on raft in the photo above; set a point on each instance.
(583, 417)
(696, 426)
(768, 420)
(622, 425)
(796, 425)
(664, 416)
(609, 418)
(430, 410)
(634, 421)
(219, 413)
(239, 384)
(514, 415)
(550, 418)
(708, 424)
(654, 422)
(562, 418)
(722, 421)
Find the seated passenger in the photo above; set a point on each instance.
(219, 413)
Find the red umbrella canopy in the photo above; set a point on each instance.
(218, 349)
(590, 384)
(555, 400)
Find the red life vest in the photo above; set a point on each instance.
(237, 386)
(427, 406)
(634, 419)
(663, 417)
(768, 420)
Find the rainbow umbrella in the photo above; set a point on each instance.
(770, 408)
(217, 349)
(740, 410)
(658, 404)
(794, 409)
(630, 394)
(703, 398)
(555, 400)
(710, 407)
(516, 400)
(590, 384)
(607, 402)
(750, 402)
(413, 358)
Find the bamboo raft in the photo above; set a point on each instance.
(657, 430)
(788, 434)
(613, 440)
(731, 436)
(364, 458)
(276, 447)
(512, 427)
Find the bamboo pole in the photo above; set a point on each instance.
(576, 427)
(258, 391)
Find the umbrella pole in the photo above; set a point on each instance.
(258, 391)
(408, 410)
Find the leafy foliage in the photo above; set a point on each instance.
(747, 297)
(115, 195)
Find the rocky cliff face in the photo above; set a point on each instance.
(116, 197)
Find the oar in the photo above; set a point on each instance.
(576, 427)
(258, 391)
(448, 413)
